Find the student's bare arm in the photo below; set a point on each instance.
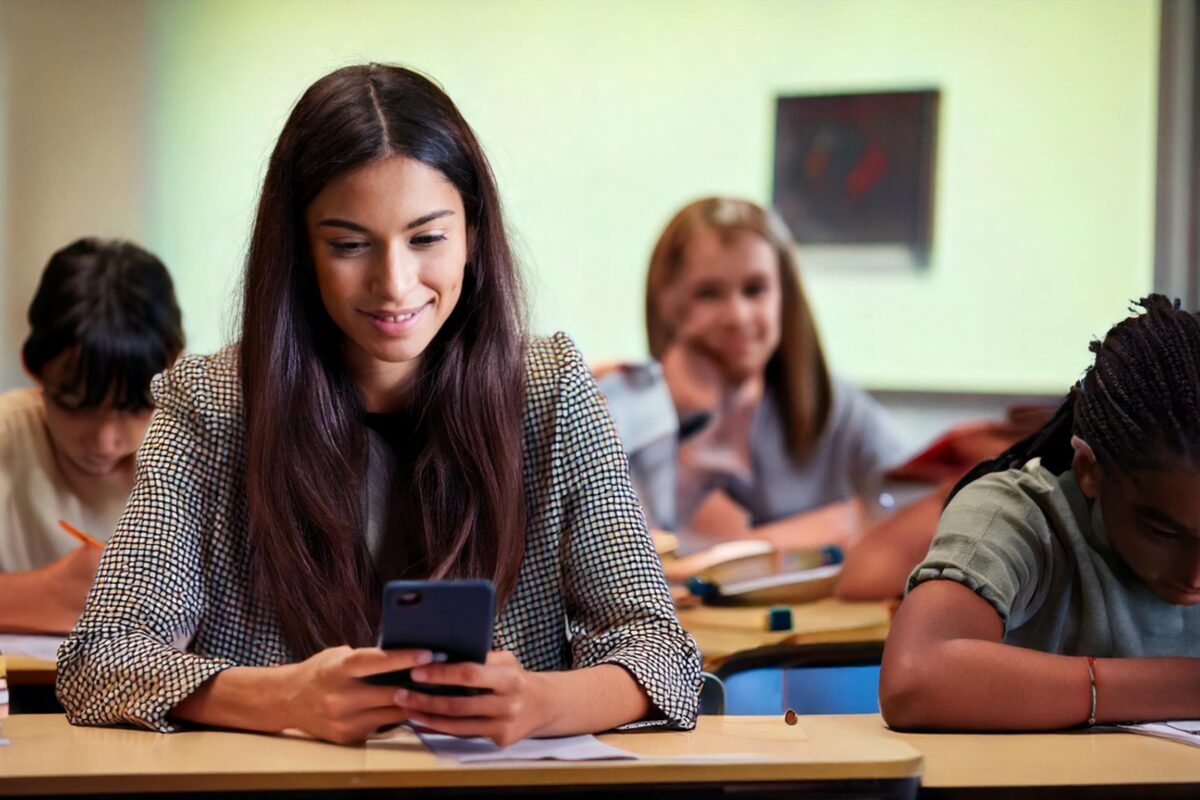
(877, 567)
(944, 666)
(720, 518)
(49, 599)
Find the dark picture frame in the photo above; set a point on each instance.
(855, 172)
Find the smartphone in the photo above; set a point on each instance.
(451, 617)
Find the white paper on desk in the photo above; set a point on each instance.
(1186, 731)
(482, 751)
(44, 647)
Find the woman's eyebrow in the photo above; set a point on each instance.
(342, 223)
(426, 218)
(1164, 520)
(334, 222)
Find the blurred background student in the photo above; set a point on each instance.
(740, 430)
(103, 321)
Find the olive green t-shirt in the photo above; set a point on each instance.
(1035, 547)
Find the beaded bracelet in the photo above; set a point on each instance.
(1091, 665)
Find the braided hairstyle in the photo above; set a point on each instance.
(1138, 404)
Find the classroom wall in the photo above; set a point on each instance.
(75, 74)
(603, 118)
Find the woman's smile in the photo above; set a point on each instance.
(396, 323)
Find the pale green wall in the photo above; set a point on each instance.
(601, 118)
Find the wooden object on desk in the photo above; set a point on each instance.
(30, 657)
(1075, 763)
(48, 755)
(722, 632)
(30, 671)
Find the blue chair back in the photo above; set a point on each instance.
(809, 679)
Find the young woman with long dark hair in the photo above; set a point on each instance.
(384, 416)
(1063, 584)
(103, 321)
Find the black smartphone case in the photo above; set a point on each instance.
(451, 617)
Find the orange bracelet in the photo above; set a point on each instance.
(1091, 665)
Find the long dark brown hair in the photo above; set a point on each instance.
(306, 437)
(796, 373)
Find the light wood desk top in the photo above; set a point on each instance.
(1069, 758)
(1009, 762)
(721, 631)
(49, 756)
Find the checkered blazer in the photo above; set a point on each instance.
(172, 603)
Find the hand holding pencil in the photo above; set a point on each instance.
(70, 579)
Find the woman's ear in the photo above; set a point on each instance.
(1086, 468)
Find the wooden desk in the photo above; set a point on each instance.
(29, 671)
(49, 756)
(723, 631)
(1077, 763)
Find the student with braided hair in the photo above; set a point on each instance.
(1063, 585)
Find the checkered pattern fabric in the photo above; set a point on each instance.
(172, 604)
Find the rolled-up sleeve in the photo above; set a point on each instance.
(124, 662)
(993, 539)
(618, 604)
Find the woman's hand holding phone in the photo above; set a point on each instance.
(328, 700)
(515, 704)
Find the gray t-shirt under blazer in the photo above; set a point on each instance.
(1035, 547)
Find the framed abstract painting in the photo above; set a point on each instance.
(854, 176)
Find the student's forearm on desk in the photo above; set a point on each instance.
(593, 699)
(971, 684)
(945, 667)
(840, 524)
(245, 698)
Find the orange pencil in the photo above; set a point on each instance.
(91, 541)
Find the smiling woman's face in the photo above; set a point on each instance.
(389, 244)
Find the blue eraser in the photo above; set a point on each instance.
(779, 618)
(700, 587)
(832, 554)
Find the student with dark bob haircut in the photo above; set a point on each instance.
(103, 321)
(385, 415)
(1063, 585)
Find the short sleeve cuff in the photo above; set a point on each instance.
(973, 581)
